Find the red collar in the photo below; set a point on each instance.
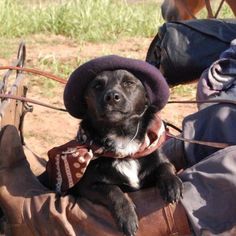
(67, 163)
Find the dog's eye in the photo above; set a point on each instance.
(128, 83)
(98, 85)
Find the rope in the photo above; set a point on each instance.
(205, 143)
(208, 7)
(36, 72)
(219, 8)
(227, 101)
(63, 81)
(24, 99)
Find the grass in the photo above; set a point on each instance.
(84, 20)
(80, 20)
(224, 13)
(57, 68)
(185, 91)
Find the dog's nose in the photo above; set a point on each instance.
(112, 97)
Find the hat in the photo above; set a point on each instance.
(153, 81)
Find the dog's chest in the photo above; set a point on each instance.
(124, 146)
(129, 169)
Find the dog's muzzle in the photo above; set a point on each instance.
(115, 104)
(112, 97)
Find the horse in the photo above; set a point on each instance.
(187, 9)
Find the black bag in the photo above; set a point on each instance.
(183, 50)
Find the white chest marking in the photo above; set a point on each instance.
(123, 146)
(130, 169)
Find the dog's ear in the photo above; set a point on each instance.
(150, 113)
(148, 103)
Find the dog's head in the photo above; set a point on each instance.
(113, 97)
(116, 98)
(116, 103)
(151, 78)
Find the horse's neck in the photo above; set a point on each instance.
(188, 8)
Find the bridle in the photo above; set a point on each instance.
(63, 81)
(208, 7)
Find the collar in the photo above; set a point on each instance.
(67, 163)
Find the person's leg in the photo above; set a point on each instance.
(44, 179)
(215, 123)
(29, 208)
(15, 175)
(210, 192)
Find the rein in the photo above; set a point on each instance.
(36, 72)
(63, 81)
(208, 7)
(227, 101)
(205, 143)
(24, 99)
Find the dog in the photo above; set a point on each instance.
(118, 114)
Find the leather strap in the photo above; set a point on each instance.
(226, 101)
(24, 99)
(205, 143)
(208, 7)
(219, 8)
(63, 81)
(170, 220)
(176, 220)
(210, 144)
(36, 72)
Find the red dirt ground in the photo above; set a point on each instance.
(45, 128)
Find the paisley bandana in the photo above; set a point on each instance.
(68, 163)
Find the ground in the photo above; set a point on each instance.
(45, 128)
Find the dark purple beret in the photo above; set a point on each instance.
(153, 81)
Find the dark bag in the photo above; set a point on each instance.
(183, 50)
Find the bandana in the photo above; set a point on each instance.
(67, 163)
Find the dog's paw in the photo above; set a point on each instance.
(171, 188)
(127, 220)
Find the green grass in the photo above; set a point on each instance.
(84, 20)
(81, 20)
(185, 91)
(57, 68)
(224, 13)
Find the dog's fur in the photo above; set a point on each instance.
(118, 114)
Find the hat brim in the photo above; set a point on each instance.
(152, 79)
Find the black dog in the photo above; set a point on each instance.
(117, 117)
